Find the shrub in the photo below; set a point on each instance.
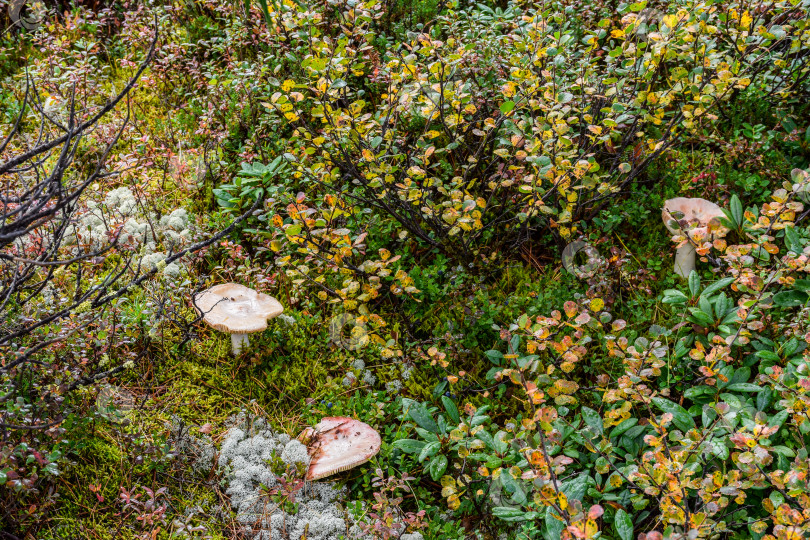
(700, 431)
(471, 137)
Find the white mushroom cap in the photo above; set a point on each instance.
(236, 309)
(338, 444)
(699, 210)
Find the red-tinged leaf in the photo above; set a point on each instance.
(570, 308)
(583, 318)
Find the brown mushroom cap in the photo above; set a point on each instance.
(236, 309)
(696, 209)
(338, 444)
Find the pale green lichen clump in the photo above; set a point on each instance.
(295, 453)
(246, 455)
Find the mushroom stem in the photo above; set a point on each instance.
(239, 342)
(685, 260)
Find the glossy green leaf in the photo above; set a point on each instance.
(437, 466)
(452, 410)
(624, 525)
(421, 416)
(736, 209)
(507, 106)
(791, 298)
(593, 420)
(681, 418)
(409, 446)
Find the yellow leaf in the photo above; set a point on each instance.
(670, 20)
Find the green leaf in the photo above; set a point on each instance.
(763, 399)
(767, 355)
(486, 437)
(421, 416)
(292, 230)
(740, 375)
(575, 488)
(682, 419)
(790, 298)
(694, 391)
(793, 242)
(437, 467)
(593, 419)
(716, 286)
(500, 445)
(701, 318)
(452, 410)
(784, 450)
(694, 282)
(802, 285)
(554, 525)
(409, 446)
(623, 426)
(719, 449)
(512, 488)
(439, 390)
(744, 387)
(493, 462)
(429, 450)
(674, 296)
(494, 356)
(624, 525)
(274, 166)
(507, 513)
(778, 419)
(507, 106)
(736, 209)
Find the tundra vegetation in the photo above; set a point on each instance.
(470, 214)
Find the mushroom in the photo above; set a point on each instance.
(238, 310)
(689, 211)
(338, 444)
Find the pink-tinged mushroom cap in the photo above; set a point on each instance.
(338, 444)
(693, 216)
(695, 210)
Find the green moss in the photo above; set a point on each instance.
(100, 465)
